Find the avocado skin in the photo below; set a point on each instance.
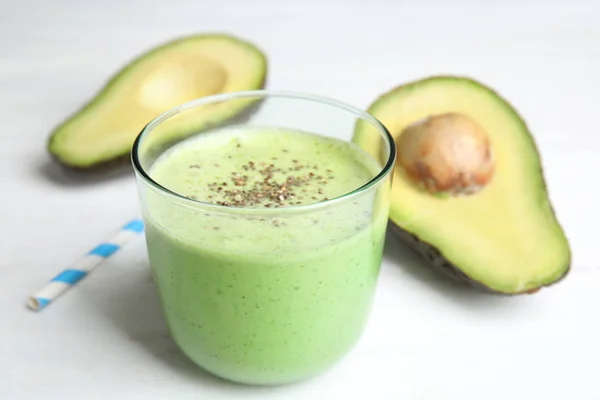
(432, 256)
(125, 158)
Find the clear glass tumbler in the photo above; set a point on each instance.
(264, 295)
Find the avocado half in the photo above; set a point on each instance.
(104, 129)
(469, 193)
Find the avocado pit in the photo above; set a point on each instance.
(446, 153)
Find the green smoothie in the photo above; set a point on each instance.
(277, 286)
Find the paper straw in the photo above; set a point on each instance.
(84, 265)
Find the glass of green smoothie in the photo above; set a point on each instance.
(265, 227)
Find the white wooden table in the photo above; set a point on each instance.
(426, 339)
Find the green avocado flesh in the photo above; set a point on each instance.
(504, 238)
(174, 73)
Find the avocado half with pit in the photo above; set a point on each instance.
(468, 191)
(176, 72)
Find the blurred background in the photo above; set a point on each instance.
(543, 56)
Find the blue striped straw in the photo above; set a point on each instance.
(84, 265)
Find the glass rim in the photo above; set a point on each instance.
(263, 94)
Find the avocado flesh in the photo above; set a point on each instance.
(505, 238)
(164, 77)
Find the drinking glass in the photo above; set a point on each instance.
(265, 295)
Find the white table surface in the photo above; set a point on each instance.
(426, 339)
